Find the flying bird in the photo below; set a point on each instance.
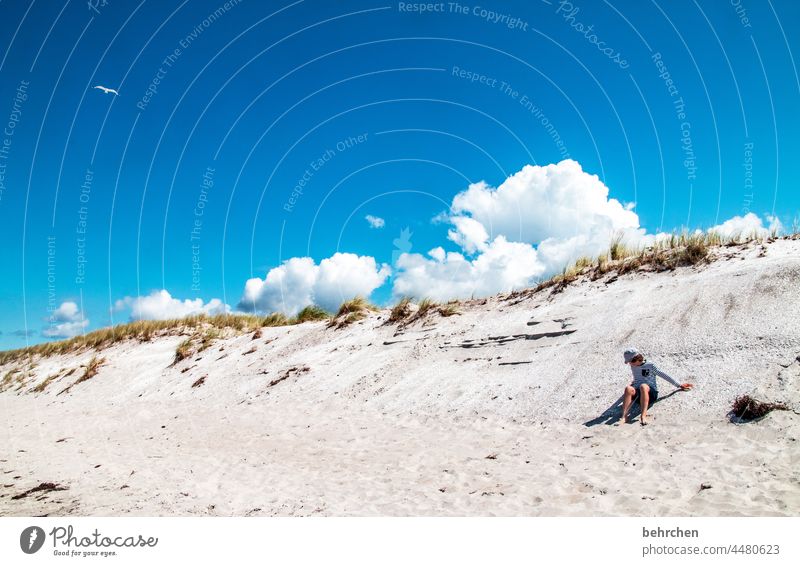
(107, 90)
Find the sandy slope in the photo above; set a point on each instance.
(506, 409)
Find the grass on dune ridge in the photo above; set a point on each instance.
(667, 253)
(144, 330)
(675, 250)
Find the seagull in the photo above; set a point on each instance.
(107, 90)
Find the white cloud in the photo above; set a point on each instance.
(558, 201)
(160, 305)
(748, 225)
(375, 221)
(469, 234)
(560, 209)
(531, 226)
(502, 266)
(65, 322)
(300, 282)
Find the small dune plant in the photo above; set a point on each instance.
(425, 307)
(401, 311)
(745, 408)
(184, 350)
(311, 313)
(351, 311)
(449, 309)
(91, 369)
(43, 385)
(10, 378)
(275, 319)
(208, 337)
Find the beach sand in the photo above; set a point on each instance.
(509, 408)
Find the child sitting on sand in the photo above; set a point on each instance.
(644, 386)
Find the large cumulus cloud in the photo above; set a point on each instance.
(531, 226)
(557, 201)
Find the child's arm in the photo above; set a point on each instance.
(672, 381)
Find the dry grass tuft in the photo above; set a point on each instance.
(274, 319)
(351, 311)
(10, 378)
(43, 385)
(745, 408)
(183, 351)
(425, 306)
(618, 250)
(311, 313)
(403, 313)
(208, 337)
(356, 304)
(400, 311)
(450, 309)
(91, 369)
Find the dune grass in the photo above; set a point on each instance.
(356, 304)
(403, 313)
(206, 328)
(449, 309)
(10, 378)
(400, 311)
(184, 350)
(91, 369)
(312, 313)
(425, 306)
(43, 385)
(351, 311)
(667, 253)
(679, 249)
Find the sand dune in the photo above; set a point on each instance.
(510, 407)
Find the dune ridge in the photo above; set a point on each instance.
(501, 406)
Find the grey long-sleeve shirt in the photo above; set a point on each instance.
(646, 373)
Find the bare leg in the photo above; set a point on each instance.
(644, 389)
(627, 401)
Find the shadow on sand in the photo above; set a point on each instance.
(613, 414)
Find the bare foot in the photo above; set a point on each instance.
(644, 421)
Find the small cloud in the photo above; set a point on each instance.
(375, 221)
(748, 225)
(23, 333)
(300, 281)
(501, 266)
(65, 322)
(160, 305)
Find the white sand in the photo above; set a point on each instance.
(439, 419)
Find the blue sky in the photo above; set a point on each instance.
(685, 111)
